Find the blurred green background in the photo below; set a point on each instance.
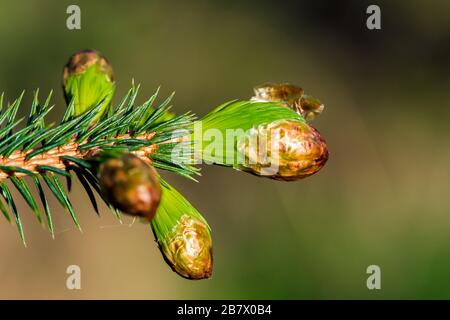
(383, 198)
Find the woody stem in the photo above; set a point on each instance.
(53, 156)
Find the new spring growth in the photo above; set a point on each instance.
(88, 81)
(130, 185)
(183, 236)
(285, 149)
(264, 136)
(91, 138)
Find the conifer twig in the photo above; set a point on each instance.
(57, 157)
(45, 152)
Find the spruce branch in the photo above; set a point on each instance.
(113, 152)
(46, 152)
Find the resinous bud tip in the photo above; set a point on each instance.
(273, 92)
(291, 96)
(130, 185)
(188, 249)
(283, 150)
(310, 107)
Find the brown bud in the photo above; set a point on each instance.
(284, 150)
(291, 96)
(188, 249)
(130, 185)
(309, 107)
(273, 92)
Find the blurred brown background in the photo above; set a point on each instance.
(383, 198)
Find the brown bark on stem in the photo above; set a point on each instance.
(53, 156)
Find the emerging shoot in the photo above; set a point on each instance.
(88, 81)
(183, 236)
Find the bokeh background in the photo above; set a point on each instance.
(383, 198)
